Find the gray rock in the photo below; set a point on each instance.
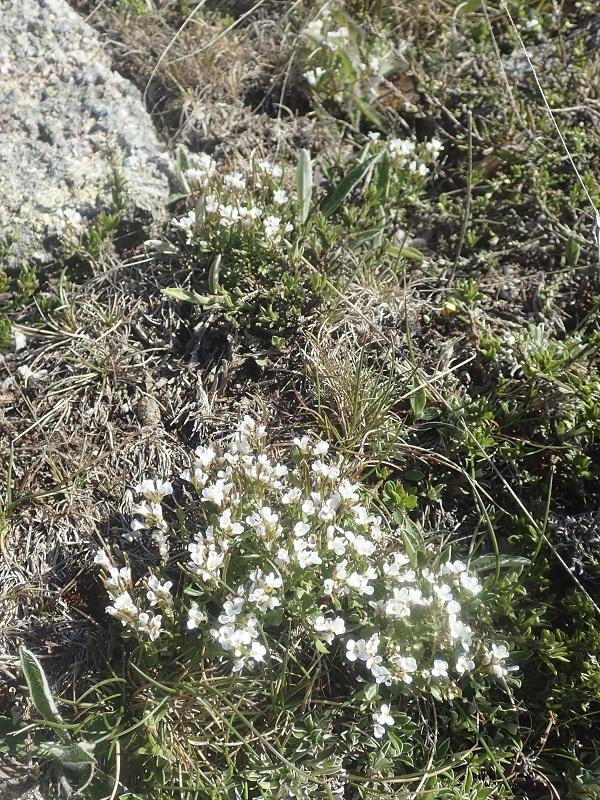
(66, 122)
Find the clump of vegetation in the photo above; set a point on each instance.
(285, 575)
(265, 245)
(388, 226)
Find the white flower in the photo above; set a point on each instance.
(335, 543)
(313, 76)
(470, 583)
(185, 223)
(258, 651)
(362, 545)
(102, 559)
(328, 628)
(228, 526)
(195, 617)
(393, 569)
(151, 625)
(229, 215)
(360, 583)
(440, 669)
(458, 630)
(291, 496)
(453, 607)
(320, 448)
(303, 444)
(405, 665)
(312, 504)
(162, 541)
(443, 593)
(216, 492)
(400, 149)
(280, 197)
(152, 517)
(323, 470)
(158, 592)
(67, 218)
(305, 554)
(381, 674)
(204, 456)
(434, 147)
(301, 528)
(235, 181)
(464, 664)
(339, 38)
(266, 167)
(272, 228)
(314, 29)
(453, 568)
(356, 649)
(205, 559)
(211, 204)
(202, 168)
(154, 491)
(231, 609)
(494, 659)
(118, 578)
(282, 556)
(374, 64)
(381, 719)
(123, 608)
(347, 490)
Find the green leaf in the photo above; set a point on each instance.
(74, 757)
(188, 296)
(411, 253)
(351, 179)
(382, 181)
(411, 536)
(213, 275)
(182, 160)
(396, 492)
(572, 252)
(369, 113)
(364, 237)
(182, 164)
(418, 397)
(488, 562)
(9, 739)
(304, 184)
(39, 691)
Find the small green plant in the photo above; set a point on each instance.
(256, 236)
(75, 758)
(345, 64)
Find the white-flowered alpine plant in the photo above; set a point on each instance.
(265, 547)
(251, 208)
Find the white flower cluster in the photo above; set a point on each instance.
(332, 46)
(148, 515)
(68, 220)
(252, 203)
(127, 605)
(301, 546)
(406, 155)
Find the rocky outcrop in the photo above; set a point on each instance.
(68, 125)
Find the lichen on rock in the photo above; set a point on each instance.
(68, 121)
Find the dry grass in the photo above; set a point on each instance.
(217, 83)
